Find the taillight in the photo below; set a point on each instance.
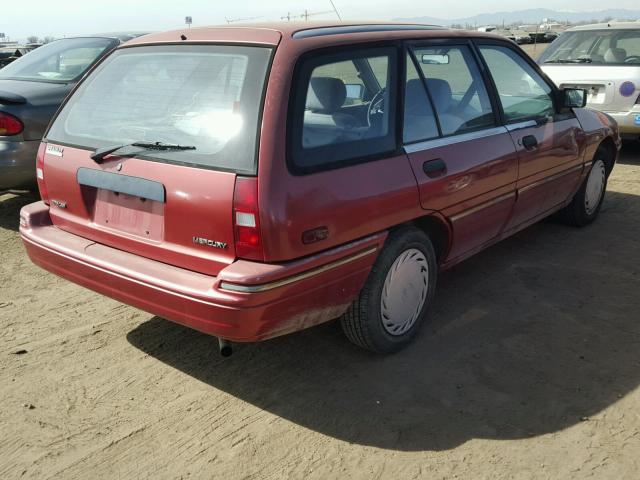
(10, 125)
(40, 173)
(246, 219)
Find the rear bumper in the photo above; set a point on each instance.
(18, 163)
(628, 122)
(247, 301)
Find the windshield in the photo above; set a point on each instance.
(60, 61)
(595, 47)
(205, 96)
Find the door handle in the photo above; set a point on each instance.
(529, 142)
(434, 168)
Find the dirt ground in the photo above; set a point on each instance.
(529, 369)
(535, 50)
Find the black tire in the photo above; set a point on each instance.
(363, 322)
(578, 213)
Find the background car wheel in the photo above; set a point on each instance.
(396, 297)
(586, 203)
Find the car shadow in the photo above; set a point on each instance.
(630, 153)
(530, 337)
(10, 205)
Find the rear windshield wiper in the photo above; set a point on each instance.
(100, 153)
(573, 60)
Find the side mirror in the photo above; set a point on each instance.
(355, 91)
(574, 97)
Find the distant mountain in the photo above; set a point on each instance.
(529, 16)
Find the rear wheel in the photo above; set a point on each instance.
(586, 203)
(395, 298)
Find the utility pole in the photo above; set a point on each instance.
(335, 10)
(304, 16)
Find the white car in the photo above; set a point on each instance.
(603, 59)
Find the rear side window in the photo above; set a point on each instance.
(204, 96)
(343, 108)
(454, 82)
(522, 91)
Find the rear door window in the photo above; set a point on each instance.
(522, 91)
(343, 108)
(204, 96)
(419, 118)
(456, 87)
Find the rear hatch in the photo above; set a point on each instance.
(607, 86)
(193, 113)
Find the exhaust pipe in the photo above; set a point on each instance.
(225, 347)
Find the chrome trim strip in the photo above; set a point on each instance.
(482, 206)
(234, 287)
(520, 125)
(444, 141)
(549, 179)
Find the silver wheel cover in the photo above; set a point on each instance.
(595, 187)
(404, 292)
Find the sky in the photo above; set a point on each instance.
(65, 17)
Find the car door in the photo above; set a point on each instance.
(548, 143)
(464, 161)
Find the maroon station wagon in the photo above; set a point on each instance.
(252, 181)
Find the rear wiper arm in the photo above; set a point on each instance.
(100, 153)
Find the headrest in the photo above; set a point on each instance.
(326, 94)
(440, 93)
(615, 55)
(415, 97)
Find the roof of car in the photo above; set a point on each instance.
(271, 33)
(122, 36)
(606, 26)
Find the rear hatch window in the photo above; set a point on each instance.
(595, 47)
(171, 205)
(61, 61)
(202, 96)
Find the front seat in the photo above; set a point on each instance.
(615, 55)
(323, 121)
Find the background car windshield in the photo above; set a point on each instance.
(207, 97)
(59, 61)
(595, 47)
(7, 52)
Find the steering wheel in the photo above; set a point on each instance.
(634, 58)
(376, 106)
